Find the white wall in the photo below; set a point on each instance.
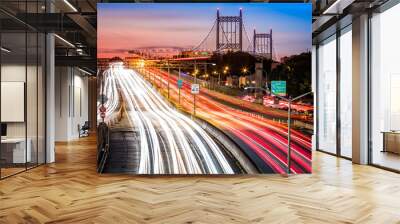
(71, 102)
(62, 82)
(80, 110)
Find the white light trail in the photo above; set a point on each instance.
(170, 142)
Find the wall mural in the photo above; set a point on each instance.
(204, 88)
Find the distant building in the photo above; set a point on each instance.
(191, 54)
(157, 52)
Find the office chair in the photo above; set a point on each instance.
(84, 130)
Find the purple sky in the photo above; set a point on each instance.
(126, 26)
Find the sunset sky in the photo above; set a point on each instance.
(126, 26)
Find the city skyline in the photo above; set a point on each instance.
(123, 27)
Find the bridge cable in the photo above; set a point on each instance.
(204, 39)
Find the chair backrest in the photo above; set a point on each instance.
(86, 125)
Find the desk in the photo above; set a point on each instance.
(13, 150)
(391, 141)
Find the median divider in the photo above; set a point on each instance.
(229, 145)
(222, 138)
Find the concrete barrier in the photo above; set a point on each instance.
(229, 145)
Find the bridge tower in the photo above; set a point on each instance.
(229, 32)
(262, 44)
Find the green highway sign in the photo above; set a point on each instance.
(180, 83)
(278, 88)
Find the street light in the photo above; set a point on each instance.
(168, 78)
(195, 82)
(179, 88)
(167, 63)
(241, 83)
(289, 100)
(215, 73)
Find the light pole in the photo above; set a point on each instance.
(102, 93)
(154, 77)
(205, 72)
(289, 100)
(168, 78)
(225, 72)
(147, 74)
(195, 82)
(179, 87)
(179, 66)
(214, 73)
(244, 71)
(194, 95)
(159, 77)
(207, 80)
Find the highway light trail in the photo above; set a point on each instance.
(262, 139)
(170, 142)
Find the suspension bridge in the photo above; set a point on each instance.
(229, 34)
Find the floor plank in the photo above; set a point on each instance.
(70, 191)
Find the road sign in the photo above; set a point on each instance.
(278, 88)
(102, 98)
(102, 109)
(180, 83)
(195, 89)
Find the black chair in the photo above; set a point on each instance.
(84, 130)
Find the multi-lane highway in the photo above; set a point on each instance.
(263, 140)
(169, 141)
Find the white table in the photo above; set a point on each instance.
(19, 154)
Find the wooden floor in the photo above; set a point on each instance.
(387, 159)
(70, 191)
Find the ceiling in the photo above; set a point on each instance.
(73, 21)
